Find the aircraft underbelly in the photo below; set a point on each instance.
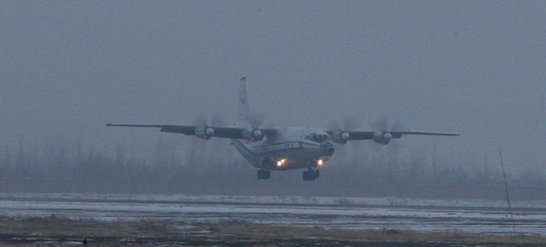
(292, 159)
(294, 155)
(297, 156)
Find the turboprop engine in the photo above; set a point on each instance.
(204, 132)
(340, 137)
(252, 134)
(382, 137)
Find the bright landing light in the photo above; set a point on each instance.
(281, 162)
(320, 162)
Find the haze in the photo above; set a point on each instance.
(476, 68)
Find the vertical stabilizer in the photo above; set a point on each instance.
(243, 110)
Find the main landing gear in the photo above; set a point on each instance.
(264, 174)
(310, 175)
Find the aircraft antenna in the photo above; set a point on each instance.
(506, 190)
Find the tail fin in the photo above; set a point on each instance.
(243, 110)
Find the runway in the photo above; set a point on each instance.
(470, 216)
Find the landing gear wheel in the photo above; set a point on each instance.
(309, 175)
(317, 173)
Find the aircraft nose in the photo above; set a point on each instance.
(328, 148)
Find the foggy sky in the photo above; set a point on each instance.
(473, 67)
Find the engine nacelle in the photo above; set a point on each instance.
(382, 137)
(204, 132)
(340, 137)
(251, 134)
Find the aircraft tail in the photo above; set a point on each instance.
(243, 109)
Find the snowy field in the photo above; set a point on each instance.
(475, 216)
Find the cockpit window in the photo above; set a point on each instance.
(317, 137)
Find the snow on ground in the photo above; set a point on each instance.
(480, 216)
(348, 201)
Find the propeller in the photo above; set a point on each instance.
(216, 119)
(204, 129)
(349, 123)
(257, 119)
(382, 127)
(382, 124)
(350, 151)
(200, 151)
(253, 132)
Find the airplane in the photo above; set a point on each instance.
(281, 149)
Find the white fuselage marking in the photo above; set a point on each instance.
(289, 145)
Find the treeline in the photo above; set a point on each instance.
(195, 166)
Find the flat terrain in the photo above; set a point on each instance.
(54, 231)
(114, 220)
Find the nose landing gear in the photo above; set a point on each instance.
(310, 175)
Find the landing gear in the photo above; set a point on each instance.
(264, 174)
(310, 175)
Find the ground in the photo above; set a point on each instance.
(59, 231)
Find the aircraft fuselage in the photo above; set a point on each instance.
(291, 148)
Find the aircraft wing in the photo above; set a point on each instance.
(367, 135)
(221, 132)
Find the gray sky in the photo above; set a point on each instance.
(474, 67)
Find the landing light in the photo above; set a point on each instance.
(320, 162)
(281, 162)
